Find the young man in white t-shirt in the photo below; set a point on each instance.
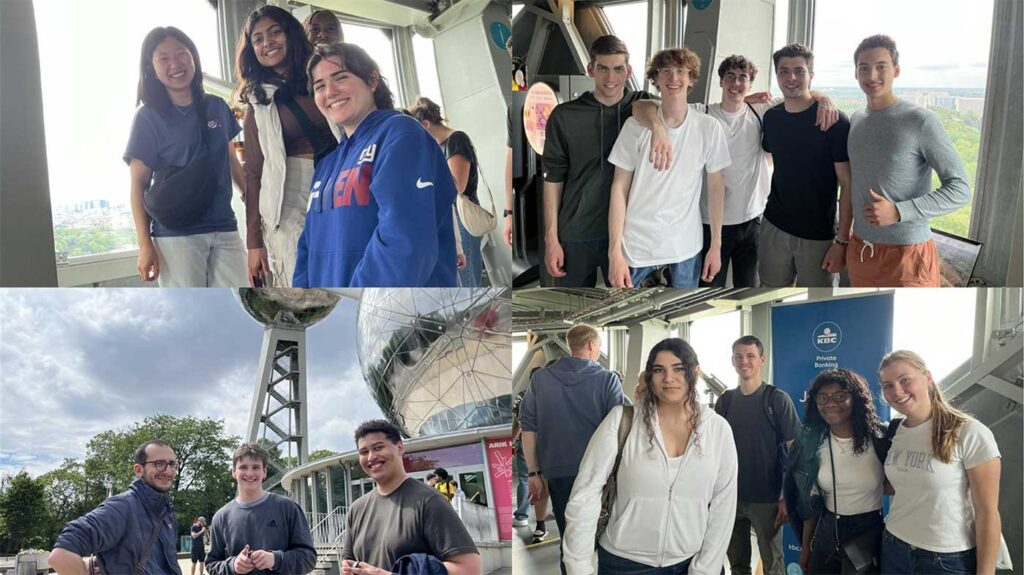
(747, 180)
(654, 216)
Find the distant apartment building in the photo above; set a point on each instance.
(970, 106)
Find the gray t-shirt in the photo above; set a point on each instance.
(380, 529)
(272, 523)
(760, 479)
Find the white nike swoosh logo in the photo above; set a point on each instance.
(421, 184)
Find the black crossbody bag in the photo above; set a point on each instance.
(178, 197)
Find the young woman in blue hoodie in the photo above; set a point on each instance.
(380, 205)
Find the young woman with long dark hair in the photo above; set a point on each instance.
(200, 251)
(836, 468)
(676, 491)
(284, 131)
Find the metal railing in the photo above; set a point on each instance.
(327, 527)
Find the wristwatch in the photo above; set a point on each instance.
(837, 241)
(506, 213)
(535, 473)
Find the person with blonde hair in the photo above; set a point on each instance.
(565, 403)
(676, 481)
(944, 466)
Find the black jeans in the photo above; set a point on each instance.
(826, 553)
(560, 488)
(739, 246)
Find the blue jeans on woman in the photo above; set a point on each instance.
(469, 276)
(898, 556)
(522, 487)
(611, 564)
(684, 274)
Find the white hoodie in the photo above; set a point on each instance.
(660, 517)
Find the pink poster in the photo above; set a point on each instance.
(499, 465)
(540, 100)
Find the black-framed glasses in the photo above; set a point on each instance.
(163, 464)
(837, 397)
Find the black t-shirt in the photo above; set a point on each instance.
(459, 144)
(804, 184)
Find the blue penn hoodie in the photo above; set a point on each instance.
(563, 406)
(380, 211)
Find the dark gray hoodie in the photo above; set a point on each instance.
(563, 406)
(578, 138)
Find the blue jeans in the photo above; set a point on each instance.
(898, 556)
(681, 275)
(612, 564)
(470, 275)
(522, 488)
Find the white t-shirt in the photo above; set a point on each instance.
(662, 224)
(932, 507)
(747, 180)
(859, 477)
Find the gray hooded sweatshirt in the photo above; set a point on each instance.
(563, 406)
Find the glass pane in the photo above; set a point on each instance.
(321, 491)
(949, 82)
(472, 485)
(86, 133)
(711, 338)
(945, 340)
(338, 487)
(629, 23)
(377, 43)
(426, 69)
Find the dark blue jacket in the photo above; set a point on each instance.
(380, 211)
(119, 530)
(419, 564)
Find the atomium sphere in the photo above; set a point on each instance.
(286, 307)
(438, 360)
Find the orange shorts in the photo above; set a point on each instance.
(892, 265)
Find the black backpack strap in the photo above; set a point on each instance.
(724, 400)
(321, 146)
(769, 409)
(893, 426)
(882, 444)
(760, 125)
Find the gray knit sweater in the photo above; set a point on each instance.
(893, 151)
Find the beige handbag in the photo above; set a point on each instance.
(475, 219)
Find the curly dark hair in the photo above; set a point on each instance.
(649, 401)
(252, 75)
(863, 418)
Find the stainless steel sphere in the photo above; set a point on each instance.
(438, 360)
(286, 307)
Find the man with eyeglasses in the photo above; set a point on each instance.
(799, 241)
(258, 531)
(764, 425)
(131, 532)
(654, 216)
(577, 175)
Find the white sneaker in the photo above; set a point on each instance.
(520, 522)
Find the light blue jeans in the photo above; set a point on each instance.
(684, 274)
(214, 259)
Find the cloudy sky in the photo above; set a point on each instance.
(74, 363)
